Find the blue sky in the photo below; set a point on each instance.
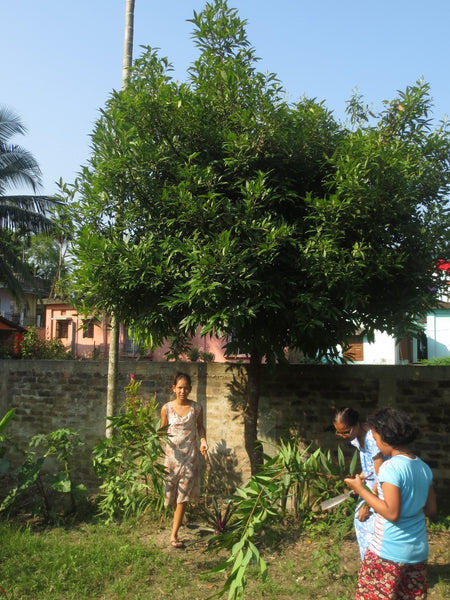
(62, 58)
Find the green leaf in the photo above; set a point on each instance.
(6, 419)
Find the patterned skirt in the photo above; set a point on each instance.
(381, 579)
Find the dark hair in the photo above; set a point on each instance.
(181, 375)
(346, 416)
(395, 427)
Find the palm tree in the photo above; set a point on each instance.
(20, 215)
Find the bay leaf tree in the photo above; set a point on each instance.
(259, 219)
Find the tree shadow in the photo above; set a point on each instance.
(237, 388)
(222, 475)
(438, 575)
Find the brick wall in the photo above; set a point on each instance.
(299, 399)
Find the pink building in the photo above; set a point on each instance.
(89, 338)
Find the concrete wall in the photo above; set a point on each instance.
(299, 399)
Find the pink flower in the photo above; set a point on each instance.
(131, 376)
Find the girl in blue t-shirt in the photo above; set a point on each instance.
(394, 566)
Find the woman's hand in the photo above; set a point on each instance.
(355, 483)
(203, 447)
(363, 513)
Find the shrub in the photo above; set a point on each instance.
(293, 477)
(436, 362)
(61, 444)
(35, 348)
(129, 463)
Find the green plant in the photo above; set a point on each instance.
(4, 353)
(61, 444)
(35, 348)
(294, 475)
(207, 356)
(129, 463)
(440, 523)
(219, 520)
(193, 354)
(442, 361)
(4, 440)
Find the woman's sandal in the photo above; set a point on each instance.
(177, 544)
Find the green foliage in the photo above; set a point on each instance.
(440, 523)
(271, 223)
(293, 477)
(219, 520)
(194, 355)
(20, 215)
(61, 444)
(33, 347)
(129, 463)
(5, 440)
(442, 361)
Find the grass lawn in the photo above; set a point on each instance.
(130, 561)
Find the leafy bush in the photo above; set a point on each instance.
(61, 444)
(207, 356)
(193, 354)
(443, 361)
(129, 463)
(35, 348)
(294, 477)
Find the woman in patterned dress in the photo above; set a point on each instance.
(184, 421)
(348, 426)
(394, 567)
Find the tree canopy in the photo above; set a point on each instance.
(20, 215)
(216, 203)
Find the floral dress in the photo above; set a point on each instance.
(364, 529)
(182, 479)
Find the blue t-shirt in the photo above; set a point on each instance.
(404, 541)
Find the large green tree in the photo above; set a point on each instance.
(257, 218)
(20, 215)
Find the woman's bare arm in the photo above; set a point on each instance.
(430, 508)
(164, 421)
(389, 508)
(202, 432)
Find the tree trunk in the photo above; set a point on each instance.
(128, 41)
(113, 360)
(253, 447)
(113, 374)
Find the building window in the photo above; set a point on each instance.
(356, 351)
(233, 342)
(62, 329)
(88, 328)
